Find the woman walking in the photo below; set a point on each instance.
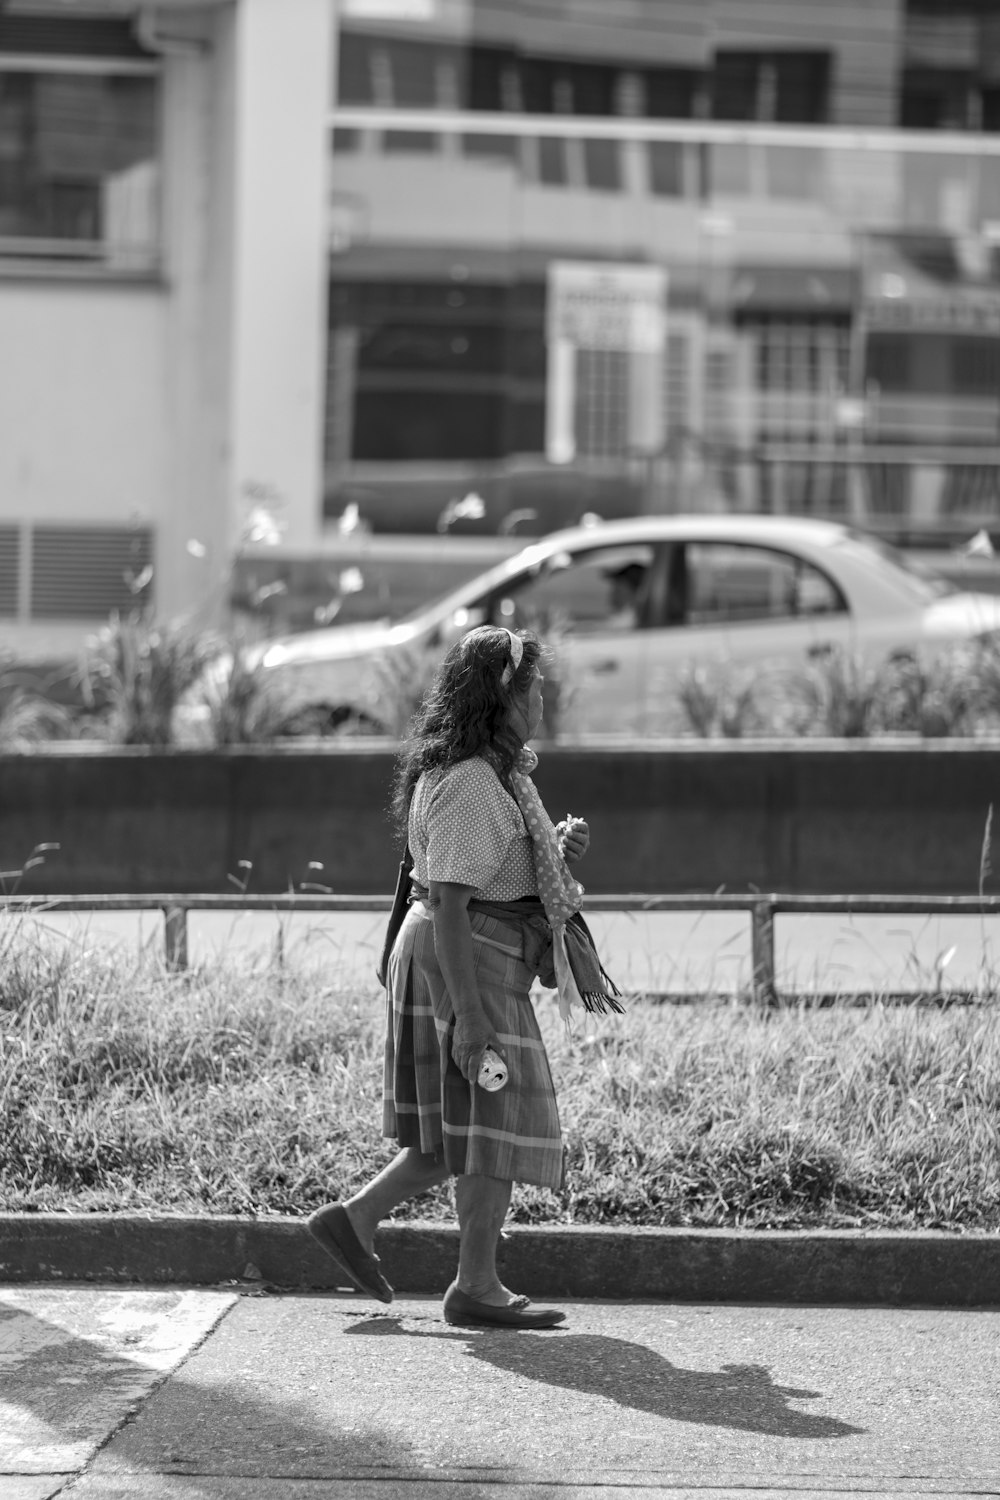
(492, 905)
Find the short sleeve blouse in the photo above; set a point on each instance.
(465, 828)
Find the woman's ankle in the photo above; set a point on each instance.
(362, 1220)
(484, 1289)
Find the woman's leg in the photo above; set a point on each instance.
(409, 1173)
(482, 1204)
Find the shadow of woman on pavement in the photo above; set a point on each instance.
(743, 1397)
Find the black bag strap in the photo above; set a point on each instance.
(400, 903)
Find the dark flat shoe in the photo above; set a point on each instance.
(464, 1311)
(331, 1228)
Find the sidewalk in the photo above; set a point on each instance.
(210, 1394)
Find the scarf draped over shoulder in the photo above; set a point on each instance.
(581, 981)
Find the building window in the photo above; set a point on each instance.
(487, 79)
(602, 402)
(939, 99)
(354, 69)
(791, 88)
(991, 109)
(602, 165)
(801, 370)
(414, 74)
(673, 93)
(666, 168)
(79, 147)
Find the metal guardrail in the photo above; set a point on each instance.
(762, 909)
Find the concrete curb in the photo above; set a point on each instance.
(711, 1265)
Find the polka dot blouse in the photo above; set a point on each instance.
(466, 829)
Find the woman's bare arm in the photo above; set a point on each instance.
(449, 905)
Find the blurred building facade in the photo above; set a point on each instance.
(274, 269)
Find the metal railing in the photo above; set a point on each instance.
(761, 908)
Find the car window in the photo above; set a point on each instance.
(603, 589)
(727, 583)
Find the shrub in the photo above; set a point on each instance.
(136, 672)
(839, 695)
(26, 717)
(244, 704)
(935, 699)
(717, 703)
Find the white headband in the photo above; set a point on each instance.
(516, 652)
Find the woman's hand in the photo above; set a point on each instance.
(574, 838)
(473, 1034)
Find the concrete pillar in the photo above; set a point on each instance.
(283, 55)
(192, 528)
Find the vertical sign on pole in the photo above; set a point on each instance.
(605, 306)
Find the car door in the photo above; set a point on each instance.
(587, 606)
(727, 607)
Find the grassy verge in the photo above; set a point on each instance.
(256, 1091)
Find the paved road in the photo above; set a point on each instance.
(669, 953)
(177, 1394)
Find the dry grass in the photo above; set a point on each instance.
(256, 1091)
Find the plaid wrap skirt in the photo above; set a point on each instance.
(514, 1133)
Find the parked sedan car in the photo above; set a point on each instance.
(631, 603)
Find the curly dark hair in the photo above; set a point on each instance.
(465, 712)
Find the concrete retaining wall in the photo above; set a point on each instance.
(696, 1265)
(894, 817)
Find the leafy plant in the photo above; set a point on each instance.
(839, 695)
(937, 698)
(399, 682)
(561, 690)
(26, 717)
(718, 703)
(244, 703)
(137, 672)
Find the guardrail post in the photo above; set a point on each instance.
(762, 952)
(175, 936)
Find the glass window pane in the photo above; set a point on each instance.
(421, 422)
(802, 87)
(78, 158)
(735, 85)
(727, 584)
(484, 73)
(537, 79)
(592, 87)
(666, 168)
(552, 161)
(354, 69)
(416, 346)
(414, 74)
(602, 165)
(596, 591)
(671, 93)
